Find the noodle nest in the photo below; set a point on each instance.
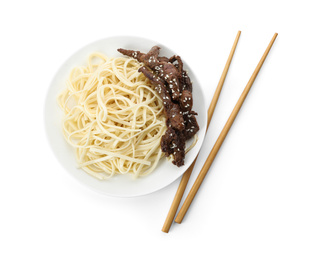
(112, 117)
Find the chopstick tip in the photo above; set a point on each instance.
(178, 220)
(165, 230)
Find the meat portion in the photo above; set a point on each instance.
(171, 75)
(191, 124)
(186, 81)
(186, 101)
(163, 59)
(173, 142)
(180, 63)
(150, 59)
(168, 140)
(175, 89)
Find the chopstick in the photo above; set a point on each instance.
(186, 176)
(221, 137)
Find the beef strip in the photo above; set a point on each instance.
(191, 124)
(150, 59)
(179, 149)
(186, 81)
(178, 59)
(186, 101)
(163, 59)
(173, 142)
(166, 142)
(170, 74)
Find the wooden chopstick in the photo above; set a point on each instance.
(186, 176)
(221, 137)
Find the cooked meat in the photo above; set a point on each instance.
(186, 81)
(191, 125)
(173, 142)
(175, 89)
(163, 59)
(167, 141)
(150, 59)
(170, 74)
(179, 149)
(186, 101)
(180, 63)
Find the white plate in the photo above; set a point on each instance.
(120, 185)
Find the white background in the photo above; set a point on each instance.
(258, 200)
